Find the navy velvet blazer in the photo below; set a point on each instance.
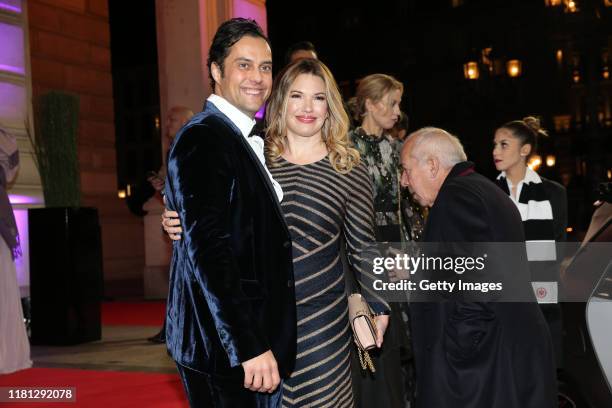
(480, 354)
(231, 279)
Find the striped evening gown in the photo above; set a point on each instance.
(319, 204)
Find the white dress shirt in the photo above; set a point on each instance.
(245, 124)
(530, 177)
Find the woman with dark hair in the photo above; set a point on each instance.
(14, 345)
(542, 204)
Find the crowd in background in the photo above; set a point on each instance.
(362, 192)
(398, 214)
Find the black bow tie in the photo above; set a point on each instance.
(257, 129)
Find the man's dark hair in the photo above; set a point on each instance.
(228, 34)
(299, 46)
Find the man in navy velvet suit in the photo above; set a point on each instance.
(231, 323)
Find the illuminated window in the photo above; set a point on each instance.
(534, 162)
(514, 68)
(570, 6)
(456, 3)
(559, 56)
(12, 57)
(15, 108)
(11, 6)
(13, 81)
(470, 70)
(562, 123)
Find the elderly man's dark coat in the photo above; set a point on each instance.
(480, 354)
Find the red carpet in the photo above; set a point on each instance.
(97, 389)
(133, 313)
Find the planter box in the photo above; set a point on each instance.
(66, 278)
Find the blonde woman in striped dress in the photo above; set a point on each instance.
(327, 195)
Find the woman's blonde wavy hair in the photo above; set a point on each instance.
(342, 155)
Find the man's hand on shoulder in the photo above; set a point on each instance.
(261, 373)
(172, 224)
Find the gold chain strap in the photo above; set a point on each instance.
(364, 356)
(365, 360)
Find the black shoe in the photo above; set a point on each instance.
(159, 338)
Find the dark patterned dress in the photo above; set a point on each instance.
(319, 204)
(381, 156)
(383, 163)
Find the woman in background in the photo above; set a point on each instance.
(376, 108)
(14, 345)
(542, 204)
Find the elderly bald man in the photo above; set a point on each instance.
(472, 354)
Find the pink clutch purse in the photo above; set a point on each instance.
(364, 328)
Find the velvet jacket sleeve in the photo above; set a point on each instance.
(205, 185)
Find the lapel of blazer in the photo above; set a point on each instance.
(254, 160)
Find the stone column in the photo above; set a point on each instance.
(185, 29)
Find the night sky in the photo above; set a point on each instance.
(354, 38)
(425, 45)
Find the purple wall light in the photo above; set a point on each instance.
(12, 57)
(12, 6)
